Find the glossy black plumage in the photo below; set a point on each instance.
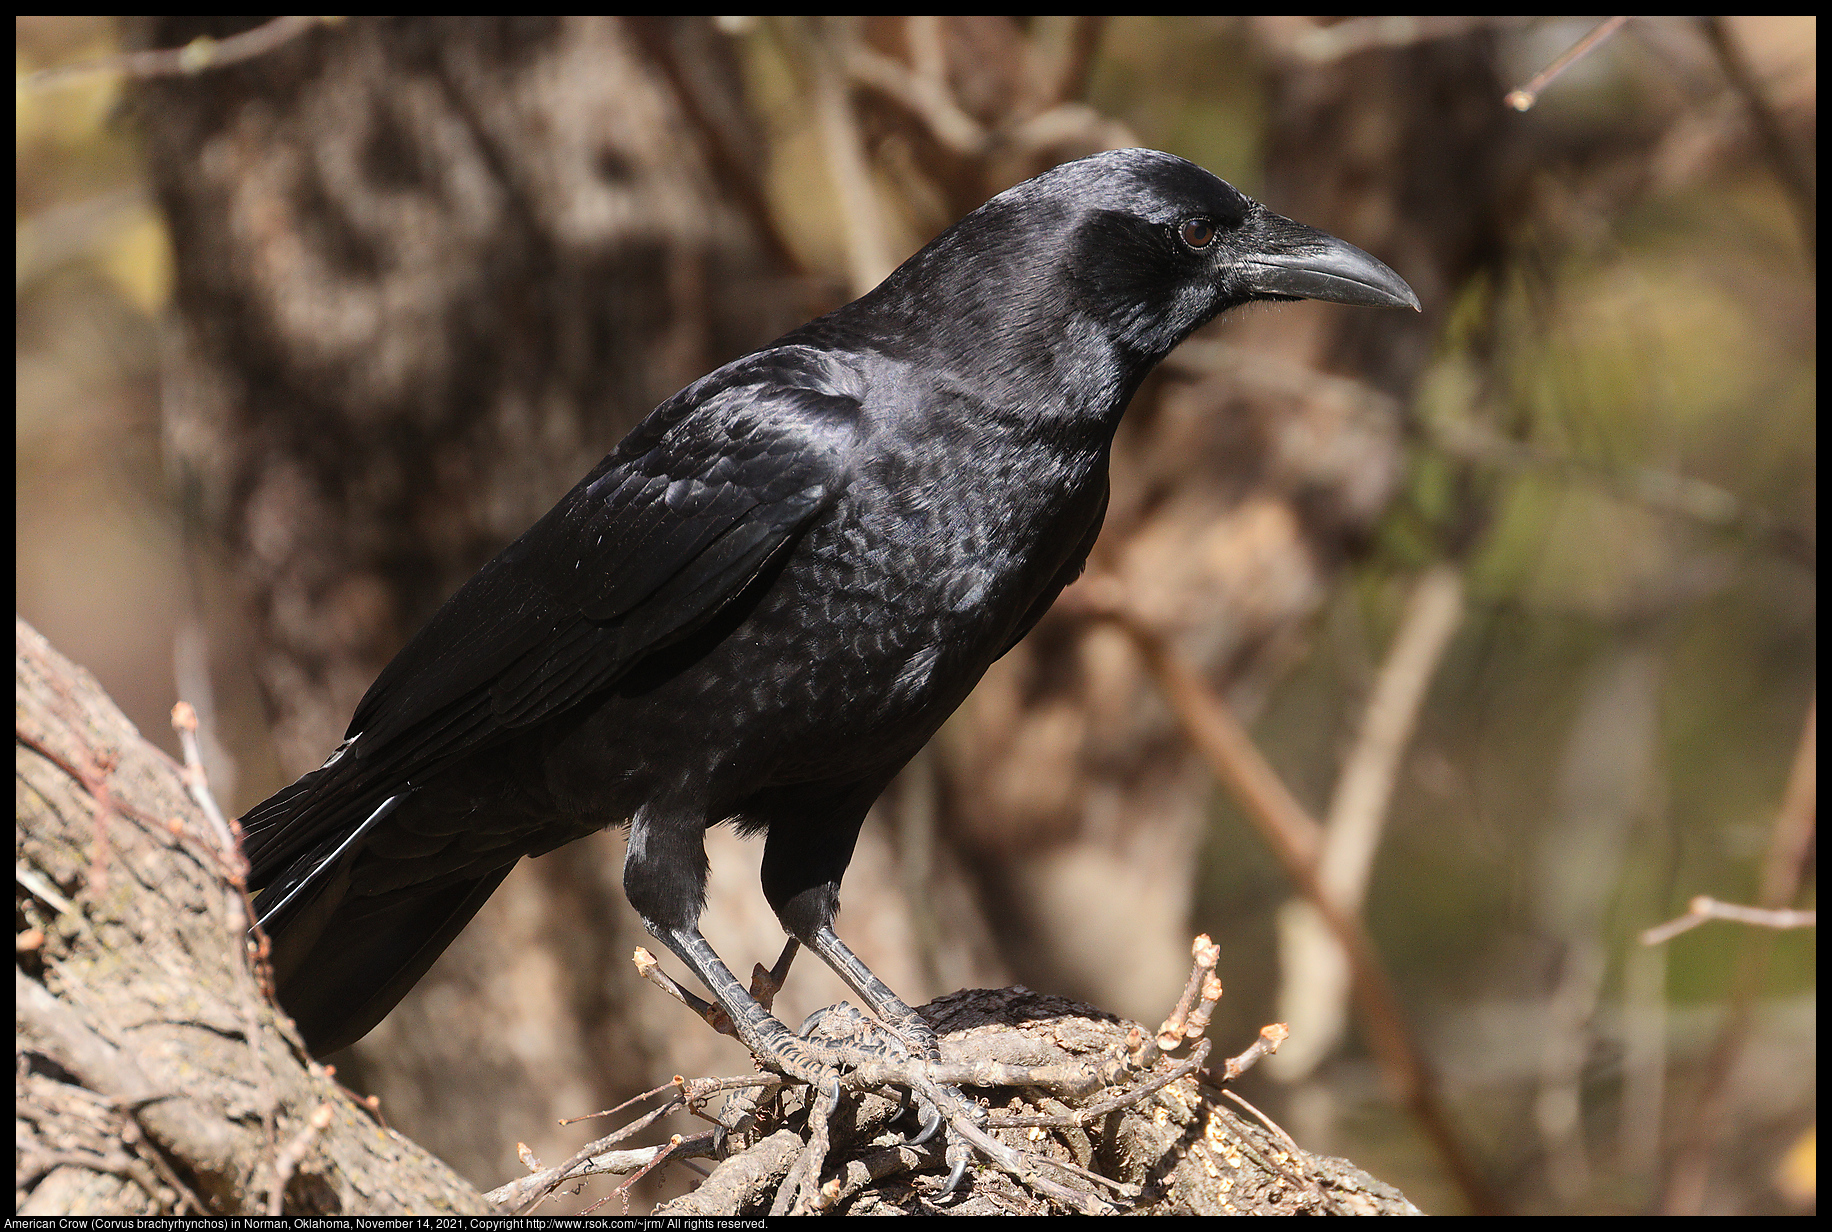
(771, 594)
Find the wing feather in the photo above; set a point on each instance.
(645, 550)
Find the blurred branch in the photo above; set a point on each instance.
(1315, 985)
(1662, 491)
(1703, 908)
(1359, 808)
(1782, 870)
(200, 54)
(922, 89)
(1524, 98)
(1788, 166)
(1208, 357)
(868, 254)
(1323, 44)
(1467, 439)
(1297, 841)
(735, 170)
(1067, 78)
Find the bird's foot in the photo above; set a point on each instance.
(838, 1049)
(876, 1056)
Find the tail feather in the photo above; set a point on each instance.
(353, 927)
(340, 977)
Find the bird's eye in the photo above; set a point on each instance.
(1197, 232)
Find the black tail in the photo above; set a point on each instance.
(366, 952)
(359, 896)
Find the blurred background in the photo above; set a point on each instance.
(1516, 595)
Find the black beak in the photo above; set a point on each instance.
(1300, 262)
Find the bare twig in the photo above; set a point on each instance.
(1703, 908)
(198, 55)
(1080, 1117)
(43, 889)
(516, 1195)
(1524, 98)
(677, 1146)
(1178, 1027)
(650, 969)
(525, 1193)
(1782, 869)
(292, 1154)
(859, 1173)
(1270, 1037)
(1297, 1153)
(238, 910)
(184, 722)
(800, 1190)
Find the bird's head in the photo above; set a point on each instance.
(1157, 247)
(1140, 246)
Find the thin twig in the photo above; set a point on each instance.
(1524, 98)
(198, 55)
(650, 969)
(1080, 1117)
(237, 909)
(673, 1084)
(1297, 1154)
(527, 1192)
(197, 782)
(1782, 869)
(292, 1154)
(43, 889)
(1703, 908)
(1271, 1036)
(1207, 954)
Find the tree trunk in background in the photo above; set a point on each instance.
(430, 270)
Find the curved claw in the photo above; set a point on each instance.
(954, 1177)
(931, 1125)
(832, 1092)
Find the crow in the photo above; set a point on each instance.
(769, 596)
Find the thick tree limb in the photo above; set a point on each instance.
(136, 1002)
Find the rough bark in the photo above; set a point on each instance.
(153, 1072)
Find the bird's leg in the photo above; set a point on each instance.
(768, 1039)
(802, 866)
(887, 1005)
(664, 877)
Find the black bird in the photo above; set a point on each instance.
(770, 595)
